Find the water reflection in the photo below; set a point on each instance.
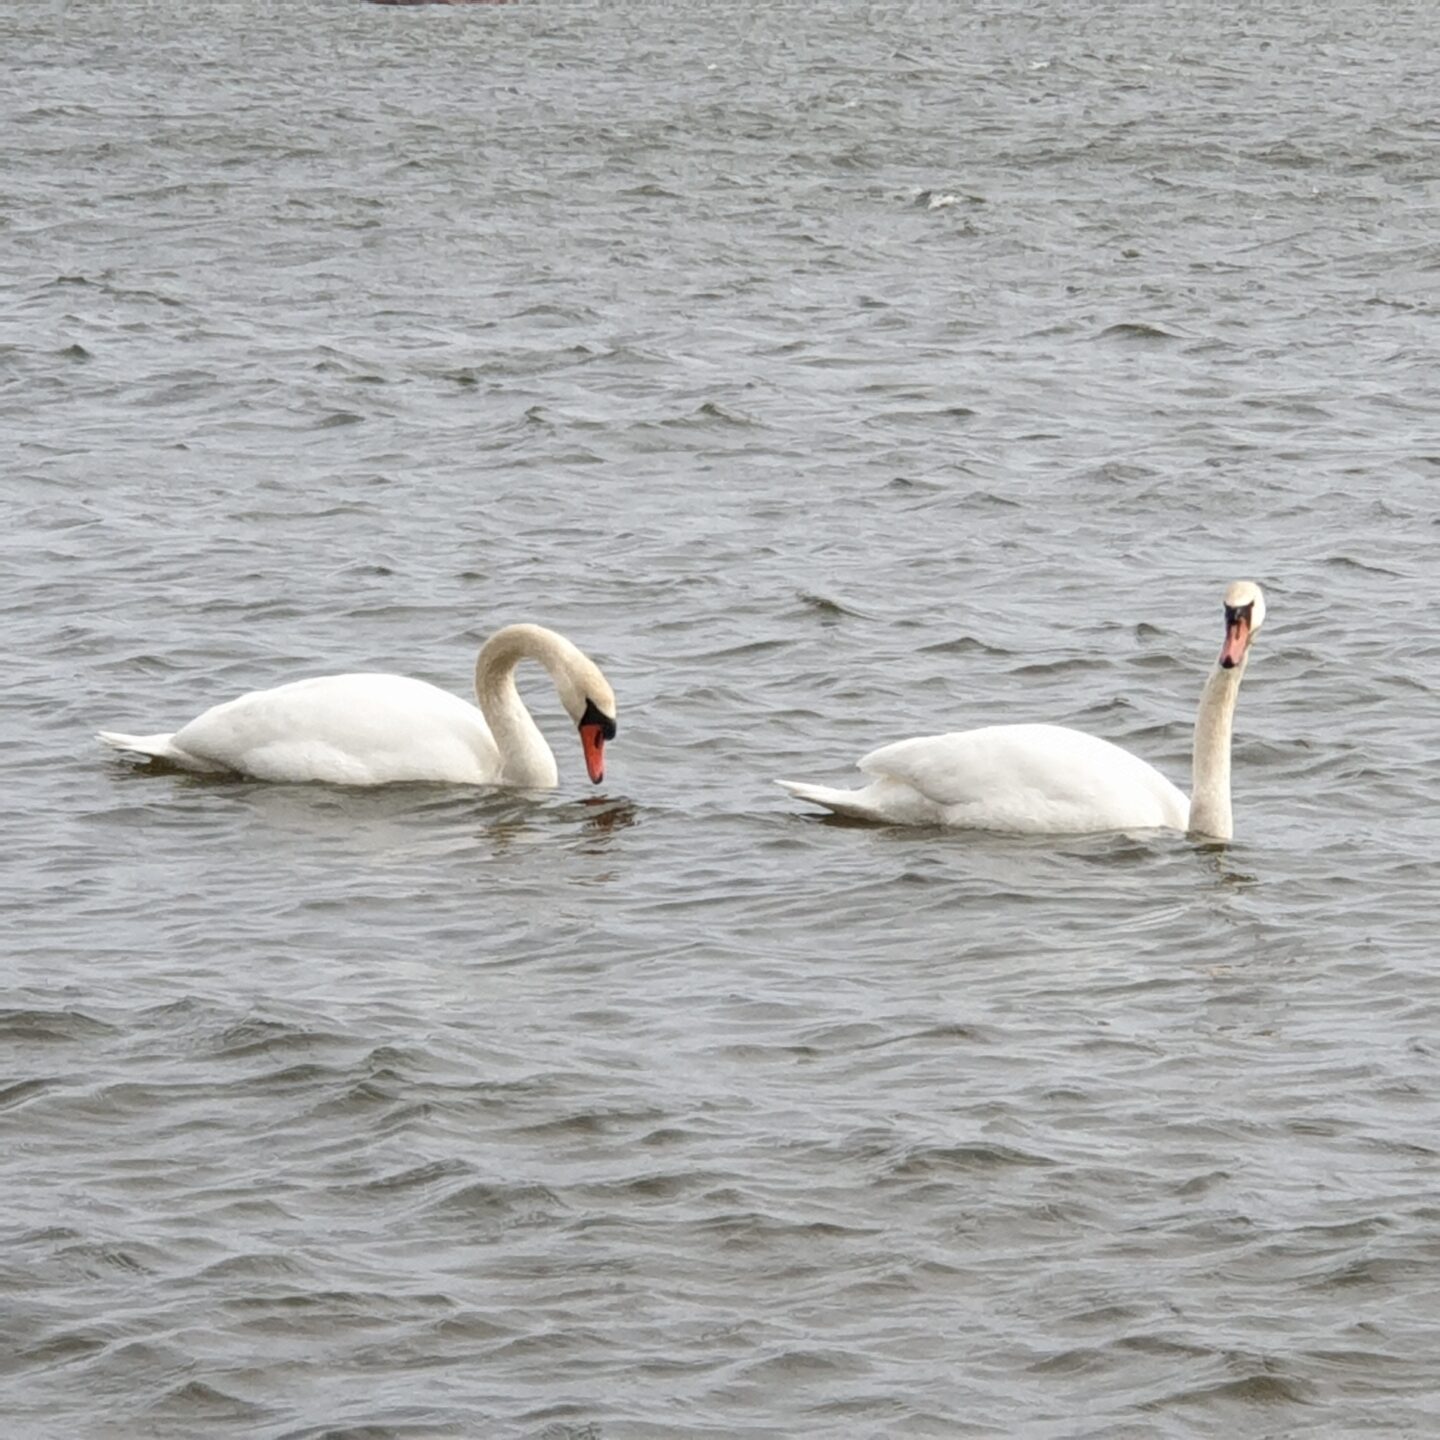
(399, 821)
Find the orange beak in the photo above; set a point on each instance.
(592, 738)
(1237, 640)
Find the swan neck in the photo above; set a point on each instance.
(1210, 780)
(526, 759)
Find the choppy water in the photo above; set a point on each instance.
(831, 374)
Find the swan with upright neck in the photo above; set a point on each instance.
(1048, 779)
(374, 729)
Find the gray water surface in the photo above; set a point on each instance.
(831, 374)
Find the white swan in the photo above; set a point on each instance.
(376, 729)
(1046, 779)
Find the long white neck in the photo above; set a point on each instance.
(1210, 775)
(525, 759)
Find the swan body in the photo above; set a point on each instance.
(1041, 778)
(1048, 779)
(376, 729)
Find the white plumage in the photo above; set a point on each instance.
(1040, 778)
(374, 729)
(363, 729)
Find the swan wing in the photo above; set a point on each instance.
(365, 729)
(1039, 778)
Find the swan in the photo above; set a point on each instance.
(1051, 780)
(377, 729)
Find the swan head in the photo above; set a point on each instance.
(590, 703)
(1244, 615)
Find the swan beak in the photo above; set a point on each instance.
(592, 737)
(1237, 638)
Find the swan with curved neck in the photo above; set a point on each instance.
(375, 729)
(1047, 779)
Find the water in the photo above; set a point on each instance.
(831, 374)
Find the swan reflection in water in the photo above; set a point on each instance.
(430, 822)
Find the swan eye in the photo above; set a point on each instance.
(594, 715)
(1234, 613)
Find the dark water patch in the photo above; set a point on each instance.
(259, 1036)
(826, 607)
(589, 1122)
(498, 1203)
(962, 645)
(1043, 668)
(104, 1261)
(805, 1365)
(906, 483)
(1370, 1272)
(1347, 562)
(418, 1177)
(22, 1092)
(302, 1313)
(653, 1188)
(988, 500)
(395, 1428)
(1246, 1392)
(258, 1268)
(961, 1159)
(51, 1026)
(196, 1401)
(1137, 332)
(56, 1351)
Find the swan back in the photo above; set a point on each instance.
(358, 729)
(1031, 778)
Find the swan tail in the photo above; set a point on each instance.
(156, 747)
(152, 745)
(842, 802)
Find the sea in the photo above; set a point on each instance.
(830, 373)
